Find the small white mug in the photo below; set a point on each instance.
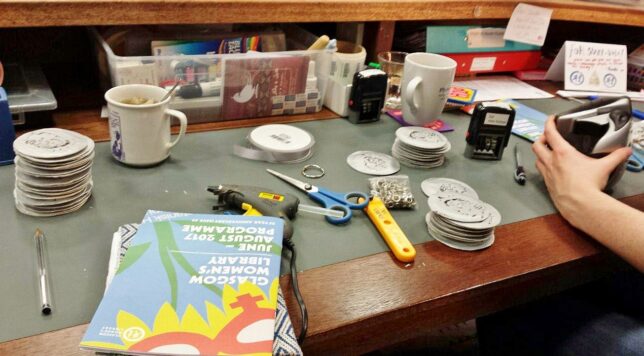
(140, 134)
(427, 79)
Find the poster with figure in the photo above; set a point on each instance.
(251, 83)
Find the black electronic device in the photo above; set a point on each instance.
(598, 128)
(489, 131)
(367, 95)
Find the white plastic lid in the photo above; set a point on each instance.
(281, 138)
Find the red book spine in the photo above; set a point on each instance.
(490, 62)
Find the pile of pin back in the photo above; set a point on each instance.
(420, 147)
(53, 172)
(457, 218)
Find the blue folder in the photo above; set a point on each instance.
(453, 39)
(7, 133)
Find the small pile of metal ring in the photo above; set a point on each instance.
(393, 191)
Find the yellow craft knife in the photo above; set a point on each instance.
(320, 43)
(390, 231)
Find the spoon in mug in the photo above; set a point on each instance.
(170, 91)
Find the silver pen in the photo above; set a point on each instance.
(519, 172)
(43, 278)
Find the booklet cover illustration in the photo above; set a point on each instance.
(251, 83)
(193, 284)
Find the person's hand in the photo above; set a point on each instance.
(571, 176)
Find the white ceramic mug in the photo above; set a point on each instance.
(140, 134)
(427, 78)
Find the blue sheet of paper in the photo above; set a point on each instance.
(528, 122)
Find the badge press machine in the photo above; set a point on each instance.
(598, 128)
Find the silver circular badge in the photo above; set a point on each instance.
(421, 137)
(431, 186)
(459, 207)
(374, 163)
(49, 143)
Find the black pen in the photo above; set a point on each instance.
(519, 173)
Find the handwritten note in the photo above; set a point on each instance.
(528, 24)
(590, 66)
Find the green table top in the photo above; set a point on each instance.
(79, 243)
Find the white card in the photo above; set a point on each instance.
(590, 66)
(501, 87)
(528, 24)
(482, 64)
(485, 37)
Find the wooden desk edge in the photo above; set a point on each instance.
(565, 258)
(367, 303)
(125, 12)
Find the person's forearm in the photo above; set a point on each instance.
(613, 224)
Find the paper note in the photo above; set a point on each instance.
(590, 66)
(528, 24)
(485, 37)
(482, 64)
(502, 87)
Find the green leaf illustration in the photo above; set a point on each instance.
(133, 254)
(164, 234)
(171, 245)
(167, 244)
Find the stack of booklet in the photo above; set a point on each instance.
(195, 284)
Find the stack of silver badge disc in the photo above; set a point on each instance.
(53, 171)
(457, 218)
(420, 147)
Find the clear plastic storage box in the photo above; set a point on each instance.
(27, 91)
(217, 87)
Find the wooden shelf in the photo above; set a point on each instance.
(31, 13)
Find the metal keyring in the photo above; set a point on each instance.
(310, 167)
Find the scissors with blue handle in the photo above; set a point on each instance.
(327, 198)
(635, 162)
